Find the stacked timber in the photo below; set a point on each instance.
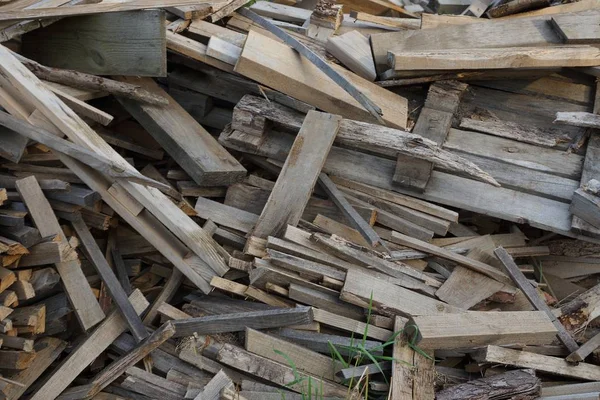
(233, 199)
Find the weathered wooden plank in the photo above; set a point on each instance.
(276, 65)
(198, 153)
(125, 43)
(523, 382)
(225, 215)
(515, 273)
(239, 321)
(275, 372)
(80, 294)
(354, 51)
(472, 329)
(281, 12)
(551, 365)
(305, 360)
(510, 57)
(577, 29)
(521, 32)
(360, 288)
(512, 130)
(88, 350)
(299, 174)
(351, 325)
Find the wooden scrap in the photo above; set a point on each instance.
(354, 51)
(518, 382)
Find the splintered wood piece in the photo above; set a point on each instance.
(111, 282)
(520, 382)
(585, 350)
(17, 360)
(278, 66)
(299, 174)
(539, 362)
(7, 278)
(198, 153)
(239, 321)
(351, 325)
(519, 278)
(212, 390)
(223, 50)
(120, 365)
(274, 372)
(305, 360)
(17, 343)
(472, 329)
(80, 294)
(88, 350)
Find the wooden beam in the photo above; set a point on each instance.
(239, 321)
(306, 360)
(477, 328)
(360, 288)
(198, 153)
(80, 294)
(297, 77)
(475, 265)
(88, 350)
(299, 174)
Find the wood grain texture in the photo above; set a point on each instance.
(125, 43)
(299, 174)
(510, 57)
(473, 329)
(80, 294)
(198, 153)
(354, 51)
(239, 321)
(277, 66)
(360, 287)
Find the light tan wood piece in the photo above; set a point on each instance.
(279, 67)
(299, 174)
(80, 294)
(353, 50)
(88, 350)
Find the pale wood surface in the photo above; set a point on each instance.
(577, 29)
(276, 65)
(299, 174)
(477, 328)
(80, 294)
(512, 57)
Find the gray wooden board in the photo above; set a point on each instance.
(586, 207)
(124, 43)
(577, 29)
(192, 147)
(512, 33)
(240, 321)
(533, 111)
(443, 188)
(225, 215)
(515, 153)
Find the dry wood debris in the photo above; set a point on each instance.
(299, 199)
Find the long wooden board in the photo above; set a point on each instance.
(299, 174)
(198, 153)
(275, 65)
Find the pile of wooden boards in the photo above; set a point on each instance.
(299, 199)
